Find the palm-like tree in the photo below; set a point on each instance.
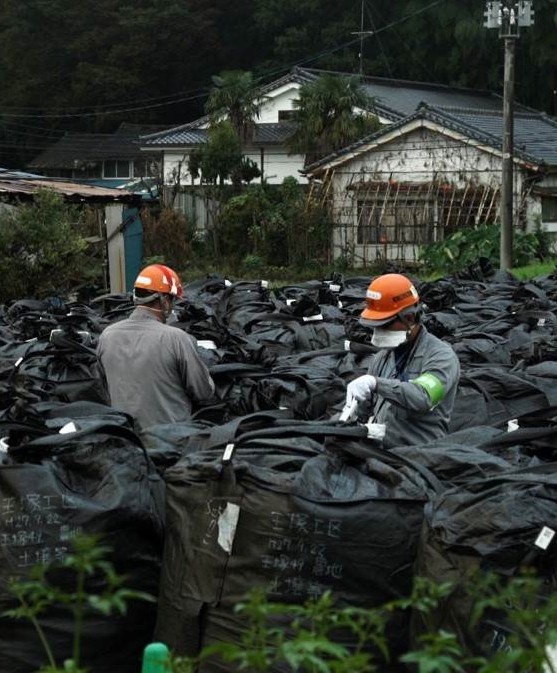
(331, 112)
(235, 96)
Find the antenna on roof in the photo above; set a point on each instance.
(362, 33)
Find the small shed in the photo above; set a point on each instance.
(115, 211)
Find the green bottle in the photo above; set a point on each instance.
(156, 658)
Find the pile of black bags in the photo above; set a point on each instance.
(263, 487)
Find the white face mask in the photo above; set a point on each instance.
(386, 338)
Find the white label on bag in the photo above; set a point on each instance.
(289, 302)
(544, 538)
(346, 344)
(227, 455)
(69, 427)
(228, 521)
(227, 283)
(313, 318)
(339, 304)
(264, 284)
(541, 322)
(334, 287)
(512, 425)
(207, 343)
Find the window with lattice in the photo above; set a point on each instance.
(383, 221)
(549, 208)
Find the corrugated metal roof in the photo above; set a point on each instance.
(265, 134)
(72, 190)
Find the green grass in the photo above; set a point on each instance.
(533, 270)
(280, 276)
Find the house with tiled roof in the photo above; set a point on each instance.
(393, 100)
(112, 160)
(434, 172)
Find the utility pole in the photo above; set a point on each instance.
(508, 16)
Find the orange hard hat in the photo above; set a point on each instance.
(158, 278)
(386, 297)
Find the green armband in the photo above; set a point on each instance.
(432, 385)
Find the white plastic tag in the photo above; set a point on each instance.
(289, 302)
(228, 521)
(4, 446)
(18, 362)
(346, 344)
(334, 287)
(227, 455)
(376, 430)
(339, 304)
(512, 425)
(541, 322)
(66, 429)
(264, 284)
(313, 318)
(544, 538)
(227, 283)
(207, 343)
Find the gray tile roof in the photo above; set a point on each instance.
(535, 134)
(181, 136)
(122, 144)
(396, 98)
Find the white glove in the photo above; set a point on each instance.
(360, 389)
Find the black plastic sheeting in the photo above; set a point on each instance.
(361, 522)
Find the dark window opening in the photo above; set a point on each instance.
(116, 169)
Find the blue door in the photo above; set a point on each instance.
(133, 245)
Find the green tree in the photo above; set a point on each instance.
(43, 249)
(330, 114)
(235, 97)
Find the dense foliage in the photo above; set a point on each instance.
(43, 249)
(465, 247)
(90, 65)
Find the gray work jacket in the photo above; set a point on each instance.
(412, 413)
(153, 371)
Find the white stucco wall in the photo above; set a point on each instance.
(276, 165)
(280, 99)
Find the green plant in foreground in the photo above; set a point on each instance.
(303, 636)
(37, 593)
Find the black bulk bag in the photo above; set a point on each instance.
(345, 520)
(488, 525)
(97, 480)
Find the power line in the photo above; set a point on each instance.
(202, 92)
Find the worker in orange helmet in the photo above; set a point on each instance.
(153, 370)
(412, 380)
